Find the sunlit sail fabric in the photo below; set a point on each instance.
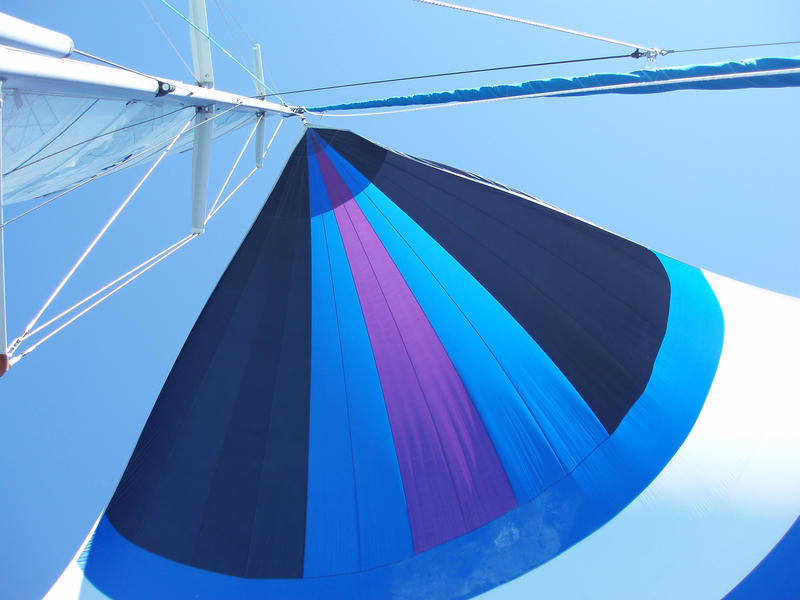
(52, 142)
(412, 382)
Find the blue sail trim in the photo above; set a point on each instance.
(526, 537)
(650, 81)
(776, 576)
(509, 377)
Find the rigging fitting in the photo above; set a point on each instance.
(650, 55)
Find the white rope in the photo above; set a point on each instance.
(236, 163)
(27, 351)
(126, 278)
(248, 176)
(80, 303)
(49, 200)
(166, 37)
(97, 238)
(535, 24)
(601, 88)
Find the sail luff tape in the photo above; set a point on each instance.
(27, 36)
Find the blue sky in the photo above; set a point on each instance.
(709, 178)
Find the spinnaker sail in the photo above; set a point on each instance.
(415, 382)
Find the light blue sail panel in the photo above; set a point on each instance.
(389, 328)
(733, 75)
(384, 533)
(331, 518)
(539, 424)
(357, 516)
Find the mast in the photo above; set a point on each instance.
(204, 75)
(258, 69)
(3, 335)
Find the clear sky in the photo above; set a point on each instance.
(709, 178)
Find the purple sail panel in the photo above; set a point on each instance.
(452, 475)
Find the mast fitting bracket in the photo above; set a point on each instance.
(164, 88)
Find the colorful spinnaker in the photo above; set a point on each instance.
(412, 382)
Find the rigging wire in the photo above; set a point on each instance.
(220, 47)
(166, 37)
(522, 66)
(235, 164)
(602, 88)
(250, 39)
(113, 64)
(236, 21)
(487, 13)
(733, 47)
(28, 161)
(97, 238)
(451, 73)
(222, 5)
(93, 138)
(132, 274)
(30, 349)
(248, 176)
(80, 303)
(153, 147)
(230, 32)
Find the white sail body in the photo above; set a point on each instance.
(52, 142)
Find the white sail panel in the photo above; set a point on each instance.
(52, 142)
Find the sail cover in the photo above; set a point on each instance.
(412, 382)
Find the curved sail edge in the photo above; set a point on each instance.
(427, 385)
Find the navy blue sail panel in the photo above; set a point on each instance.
(398, 389)
(595, 302)
(218, 477)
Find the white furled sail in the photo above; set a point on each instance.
(52, 142)
(67, 121)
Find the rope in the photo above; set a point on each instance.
(62, 314)
(96, 137)
(522, 66)
(248, 176)
(132, 274)
(235, 164)
(30, 349)
(230, 32)
(217, 44)
(166, 37)
(113, 64)
(486, 13)
(733, 47)
(450, 73)
(97, 238)
(602, 88)
(235, 20)
(223, 7)
(26, 162)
